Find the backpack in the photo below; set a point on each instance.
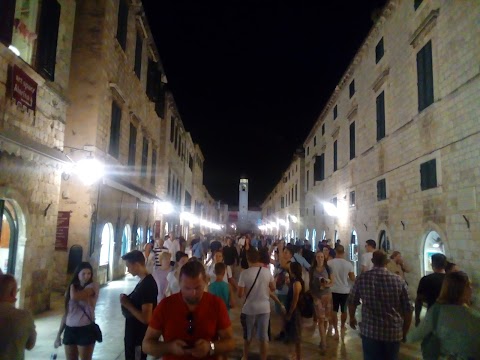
(305, 305)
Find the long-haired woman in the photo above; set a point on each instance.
(450, 328)
(243, 252)
(78, 322)
(321, 280)
(293, 318)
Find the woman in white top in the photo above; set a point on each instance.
(173, 277)
(78, 322)
(218, 258)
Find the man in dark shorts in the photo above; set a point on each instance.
(137, 307)
(342, 270)
(193, 323)
(430, 285)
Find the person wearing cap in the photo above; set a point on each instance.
(396, 265)
(386, 310)
(370, 246)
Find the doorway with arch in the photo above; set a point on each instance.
(107, 249)
(353, 251)
(433, 245)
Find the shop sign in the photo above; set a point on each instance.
(63, 224)
(24, 89)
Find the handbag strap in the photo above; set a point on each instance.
(256, 277)
(88, 316)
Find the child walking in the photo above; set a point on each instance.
(219, 287)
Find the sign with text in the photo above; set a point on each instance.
(24, 89)
(63, 223)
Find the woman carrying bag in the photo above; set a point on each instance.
(78, 324)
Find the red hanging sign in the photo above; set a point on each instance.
(24, 89)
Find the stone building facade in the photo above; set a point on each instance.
(396, 148)
(35, 54)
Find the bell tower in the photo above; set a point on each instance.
(243, 200)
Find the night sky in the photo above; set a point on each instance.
(251, 77)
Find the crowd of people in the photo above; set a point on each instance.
(180, 308)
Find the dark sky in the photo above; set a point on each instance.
(251, 77)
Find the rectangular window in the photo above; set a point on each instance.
(114, 146)
(313, 210)
(7, 16)
(352, 198)
(335, 156)
(334, 201)
(144, 157)
(425, 77)
(132, 145)
(138, 56)
(188, 199)
(314, 141)
(292, 196)
(176, 137)
(153, 173)
(154, 83)
(381, 190)
(379, 51)
(352, 140)
(417, 3)
(169, 181)
(122, 23)
(282, 203)
(172, 128)
(47, 38)
(428, 175)
(335, 112)
(308, 176)
(319, 168)
(296, 192)
(351, 88)
(323, 129)
(308, 150)
(380, 116)
(190, 162)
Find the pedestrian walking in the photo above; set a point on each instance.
(137, 307)
(78, 322)
(193, 323)
(293, 318)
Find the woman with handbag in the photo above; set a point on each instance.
(78, 324)
(450, 328)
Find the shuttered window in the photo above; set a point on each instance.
(379, 51)
(417, 3)
(7, 13)
(122, 23)
(425, 77)
(153, 173)
(335, 156)
(352, 140)
(47, 38)
(138, 56)
(113, 148)
(428, 175)
(172, 129)
(381, 190)
(351, 88)
(132, 145)
(144, 157)
(380, 116)
(335, 112)
(319, 168)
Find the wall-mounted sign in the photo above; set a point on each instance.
(63, 223)
(24, 89)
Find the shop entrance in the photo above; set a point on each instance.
(353, 253)
(433, 245)
(107, 249)
(383, 242)
(8, 237)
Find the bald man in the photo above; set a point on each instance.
(17, 330)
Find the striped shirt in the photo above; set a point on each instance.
(156, 253)
(384, 301)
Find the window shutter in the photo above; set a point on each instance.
(138, 56)
(352, 140)
(425, 76)
(132, 145)
(47, 38)
(335, 156)
(122, 23)
(113, 149)
(380, 116)
(7, 13)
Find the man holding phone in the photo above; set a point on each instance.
(194, 324)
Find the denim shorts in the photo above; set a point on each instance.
(79, 335)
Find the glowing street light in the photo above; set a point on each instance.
(330, 209)
(165, 207)
(89, 170)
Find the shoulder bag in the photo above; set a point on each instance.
(96, 328)
(242, 315)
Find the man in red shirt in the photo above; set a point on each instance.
(194, 324)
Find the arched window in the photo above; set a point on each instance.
(107, 240)
(433, 245)
(126, 239)
(307, 234)
(314, 238)
(384, 243)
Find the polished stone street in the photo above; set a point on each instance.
(111, 321)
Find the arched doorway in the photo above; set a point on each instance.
(354, 251)
(126, 239)
(307, 234)
(433, 245)
(335, 238)
(383, 241)
(314, 239)
(8, 237)
(138, 238)
(107, 249)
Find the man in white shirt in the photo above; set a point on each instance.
(342, 271)
(256, 310)
(370, 246)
